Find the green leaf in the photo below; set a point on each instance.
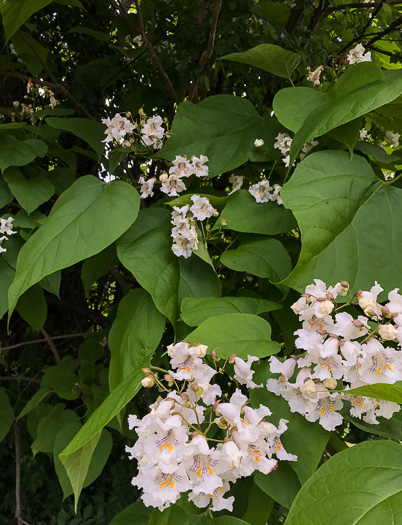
(89, 130)
(136, 513)
(77, 465)
(7, 274)
(30, 193)
(185, 199)
(223, 128)
(51, 283)
(380, 391)
(359, 90)
(195, 310)
(32, 307)
(16, 153)
(110, 407)
(243, 214)
(259, 506)
(30, 52)
(305, 439)
(62, 379)
(350, 222)
(264, 258)
(5, 194)
(269, 57)
(49, 426)
(175, 514)
(146, 250)
(16, 12)
(97, 266)
(197, 279)
(242, 334)
(69, 235)
(386, 428)
(376, 153)
(97, 461)
(360, 485)
(34, 401)
(91, 349)
(134, 336)
(7, 414)
(103, 37)
(281, 484)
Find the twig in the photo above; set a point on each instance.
(19, 378)
(18, 345)
(360, 5)
(378, 36)
(206, 55)
(150, 47)
(120, 279)
(51, 345)
(17, 436)
(60, 87)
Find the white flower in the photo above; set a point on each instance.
(308, 146)
(326, 412)
(388, 331)
(4, 238)
(117, 127)
(368, 301)
(152, 132)
(392, 138)
(261, 191)
(395, 305)
(276, 194)
(181, 167)
(286, 368)
(201, 208)
(364, 135)
(379, 364)
(172, 185)
(6, 226)
(314, 76)
(146, 187)
(237, 181)
(138, 41)
(199, 167)
(243, 372)
(283, 143)
(357, 55)
(258, 143)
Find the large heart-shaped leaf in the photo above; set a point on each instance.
(350, 222)
(380, 391)
(269, 57)
(223, 128)
(91, 131)
(16, 12)
(16, 153)
(360, 485)
(86, 218)
(30, 193)
(243, 214)
(242, 334)
(196, 310)
(134, 336)
(265, 258)
(363, 88)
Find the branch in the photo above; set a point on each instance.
(206, 55)
(20, 378)
(18, 345)
(17, 437)
(378, 36)
(358, 5)
(60, 87)
(149, 46)
(51, 345)
(120, 279)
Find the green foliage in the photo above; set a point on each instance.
(360, 478)
(7, 414)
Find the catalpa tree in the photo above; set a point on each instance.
(200, 238)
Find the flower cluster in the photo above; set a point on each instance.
(172, 183)
(284, 142)
(263, 192)
(184, 232)
(174, 451)
(341, 351)
(5, 227)
(357, 55)
(153, 132)
(117, 128)
(392, 139)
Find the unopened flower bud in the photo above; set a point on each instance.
(386, 311)
(148, 381)
(168, 378)
(321, 331)
(345, 284)
(220, 422)
(232, 358)
(330, 296)
(388, 331)
(128, 114)
(213, 355)
(194, 387)
(184, 396)
(306, 295)
(215, 407)
(294, 357)
(163, 177)
(326, 307)
(224, 223)
(329, 383)
(357, 323)
(358, 293)
(200, 350)
(146, 371)
(140, 111)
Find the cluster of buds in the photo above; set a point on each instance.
(342, 352)
(198, 439)
(5, 227)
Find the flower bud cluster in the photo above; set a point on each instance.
(174, 450)
(341, 351)
(5, 227)
(184, 233)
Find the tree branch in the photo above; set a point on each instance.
(17, 440)
(358, 5)
(390, 28)
(154, 56)
(60, 87)
(18, 345)
(51, 345)
(20, 378)
(120, 279)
